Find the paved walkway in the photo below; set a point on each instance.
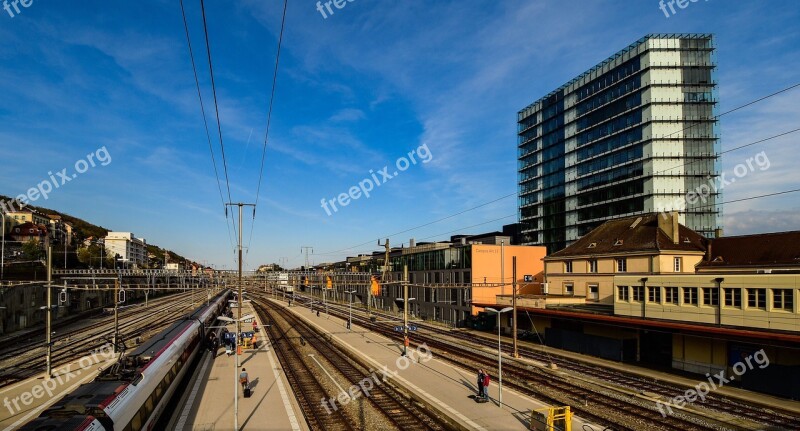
(208, 401)
(439, 384)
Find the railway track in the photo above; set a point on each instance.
(25, 361)
(395, 408)
(769, 418)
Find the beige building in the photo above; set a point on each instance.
(748, 281)
(636, 246)
(132, 250)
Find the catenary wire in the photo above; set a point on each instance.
(205, 122)
(269, 119)
(216, 109)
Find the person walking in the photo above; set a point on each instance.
(480, 383)
(243, 379)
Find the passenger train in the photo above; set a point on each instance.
(132, 394)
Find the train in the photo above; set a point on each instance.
(281, 282)
(131, 394)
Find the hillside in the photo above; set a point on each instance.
(83, 229)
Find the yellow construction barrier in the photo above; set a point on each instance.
(551, 419)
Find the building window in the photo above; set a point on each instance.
(671, 295)
(690, 295)
(678, 264)
(757, 298)
(622, 265)
(592, 265)
(569, 289)
(783, 299)
(594, 292)
(568, 266)
(638, 293)
(653, 294)
(710, 296)
(622, 293)
(733, 297)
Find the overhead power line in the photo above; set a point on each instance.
(216, 108)
(269, 118)
(564, 198)
(205, 122)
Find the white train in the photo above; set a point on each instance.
(132, 394)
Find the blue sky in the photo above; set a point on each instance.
(356, 91)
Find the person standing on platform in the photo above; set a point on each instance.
(480, 383)
(243, 378)
(486, 380)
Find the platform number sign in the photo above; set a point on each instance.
(527, 278)
(400, 328)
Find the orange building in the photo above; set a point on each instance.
(446, 278)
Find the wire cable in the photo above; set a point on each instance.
(205, 120)
(565, 197)
(269, 118)
(216, 109)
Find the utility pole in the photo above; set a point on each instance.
(405, 308)
(116, 313)
(385, 265)
(49, 325)
(239, 318)
(305, 249)
(514, 304)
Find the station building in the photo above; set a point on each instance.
(729, 298)
(445, 278)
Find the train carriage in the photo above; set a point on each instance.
(132, 394)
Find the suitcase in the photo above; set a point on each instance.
(247, 392)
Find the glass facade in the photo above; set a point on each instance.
(635, 134)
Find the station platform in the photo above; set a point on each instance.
(24, 401)
(440, 385)
(208, 403)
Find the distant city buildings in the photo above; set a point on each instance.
(633, 135)
(131, 250)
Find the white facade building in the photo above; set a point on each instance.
(131, 249)
(635, 134)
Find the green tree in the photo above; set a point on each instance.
(84, 255)
(31, 250)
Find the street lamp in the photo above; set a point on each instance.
(350, 320)
(3, 253)
(499, 353)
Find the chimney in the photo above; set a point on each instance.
(709, 256)
(717, 233)
(668, 222)
(412, 243)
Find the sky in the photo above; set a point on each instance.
(107, 91)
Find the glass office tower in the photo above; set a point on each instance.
(634, 134)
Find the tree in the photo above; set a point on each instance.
(31, 250)
(84, 255)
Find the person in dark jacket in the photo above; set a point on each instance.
(480, 383)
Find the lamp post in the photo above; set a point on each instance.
(350, 319)
(499, 353)
(3, 253)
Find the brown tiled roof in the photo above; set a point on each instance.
(617, 236)
(766, 249)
